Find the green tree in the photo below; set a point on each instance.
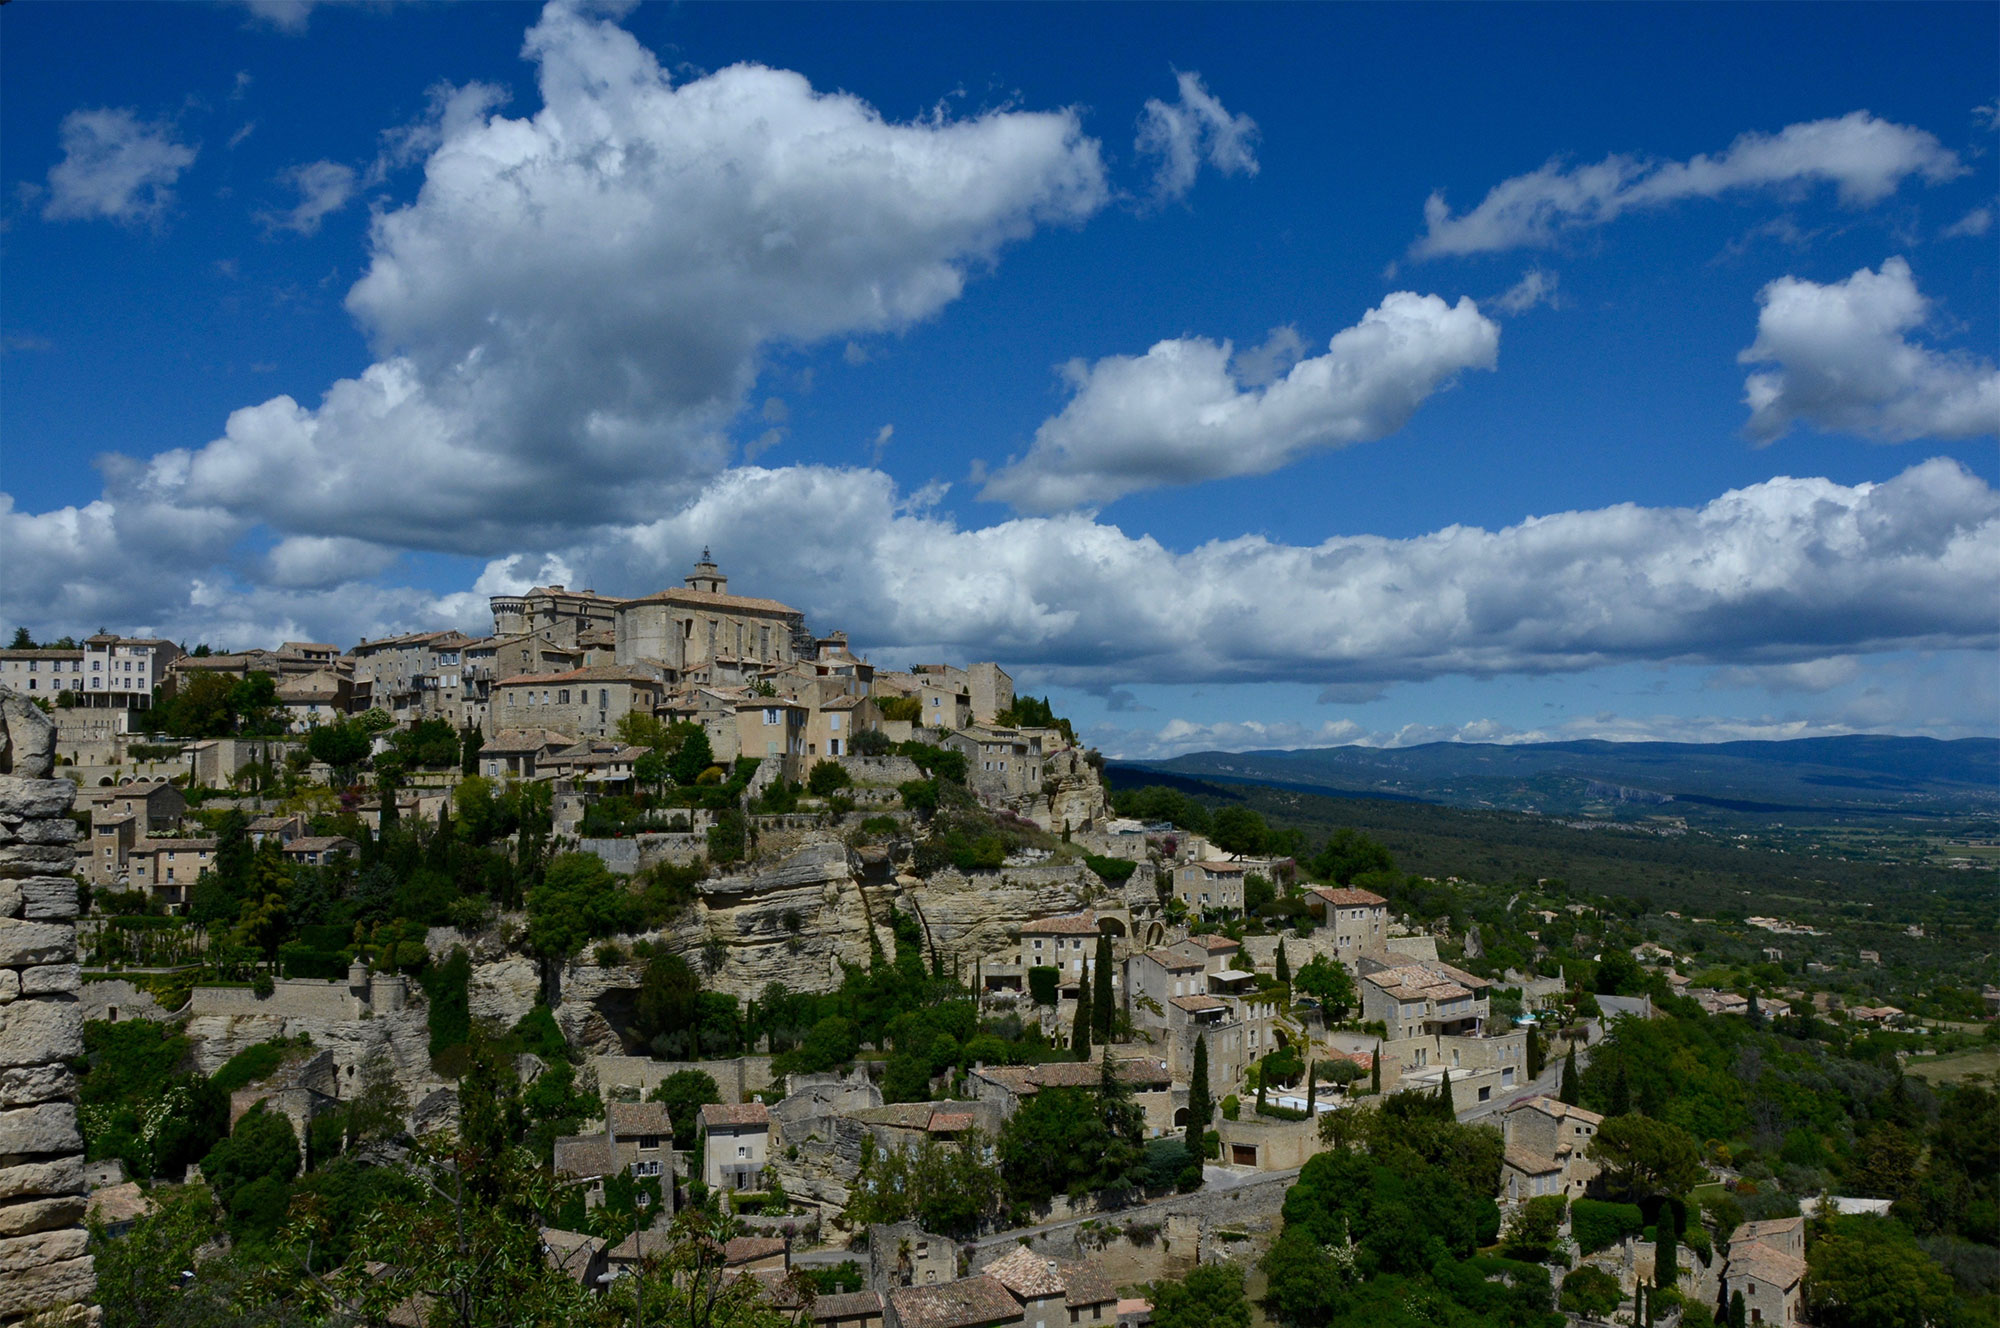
(340, 745)
(1239, 831)
(1666, 1246)
(669, 1005)
(251, 1172)
(448, 1002)
(685, 1093)
(1102, 1008)
(1867, 1272)
(578, 899)
(1200, 1107)
(693, 756)
(1079, 1033)
(1571, 1092)
(1328, 982)
(1348, 854)
(1281, 967)
(1210, 1296)
(1643, 1158)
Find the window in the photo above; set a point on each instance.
(562, 697)
(603, 698)
(773, 715)
(833, 722)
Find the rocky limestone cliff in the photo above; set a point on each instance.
(402, 1038)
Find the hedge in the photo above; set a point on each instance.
(1596, 1225)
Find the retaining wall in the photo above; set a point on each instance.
(44, 1266)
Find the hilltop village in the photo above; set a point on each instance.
(710, 950)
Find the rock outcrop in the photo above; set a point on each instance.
(44, 1269)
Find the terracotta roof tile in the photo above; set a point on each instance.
(966, 1303)
(735, 1113)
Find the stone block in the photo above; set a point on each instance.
(48, 897)
(23, 944)
(25, 1085)
(27, 737)
(36, 1031)
(19, 860)
(41, 1215)
(10, 900)
(23, 1179)
(48, 1128)
(43, 1283)
(24, 800)
(10, 985)
(54, 830)
(51, 979)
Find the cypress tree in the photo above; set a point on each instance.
(1282, 969)
(1737, 1314)
(1664, 1249)
(1569, 1092)
(1200, 1108)
(1101, 1008)
(1079, 1033)
(1444, 1093)
(1619, 1097)
(1312, 1086)
(1756, 1016)
(1537, 1054)
(1375, 1071)
(1260, 1095)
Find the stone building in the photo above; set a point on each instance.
(583, 703)
(1358, 919)
(1210, 886)
(1415, 997)
(701, 626)
(44, 1263)
(1546, 1150)
(167, 869)
(736, 1144)
(1767, 1264)
(41, 673)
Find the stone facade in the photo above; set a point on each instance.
(43, 1263)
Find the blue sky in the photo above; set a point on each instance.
(1246, 376)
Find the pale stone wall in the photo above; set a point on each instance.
(43, 1263)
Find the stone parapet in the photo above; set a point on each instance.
(45, 1267)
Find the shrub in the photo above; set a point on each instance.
(1232, 1107)
(249, 1065)
(1597, 1225)
(1591, 1292)
(1113, 871)
(1042, 982)
(263, 985)
(827, 777)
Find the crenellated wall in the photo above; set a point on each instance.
(43, 1261)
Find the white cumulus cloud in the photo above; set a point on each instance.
(1782, 572)
(1193, 130)
(1843, 362)
(1865, 158)
(574, 307)
(324, 188)
(1187, 410)
(115, 165)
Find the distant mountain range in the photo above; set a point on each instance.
(1632, 779)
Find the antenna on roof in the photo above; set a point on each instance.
(704, 554)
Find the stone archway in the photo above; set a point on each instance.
(1111, 926)
(1180, 1118)
(1156, 934)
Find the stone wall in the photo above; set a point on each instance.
(734, 1079)
(43, 1264)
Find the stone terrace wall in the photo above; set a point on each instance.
(43, 1265)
